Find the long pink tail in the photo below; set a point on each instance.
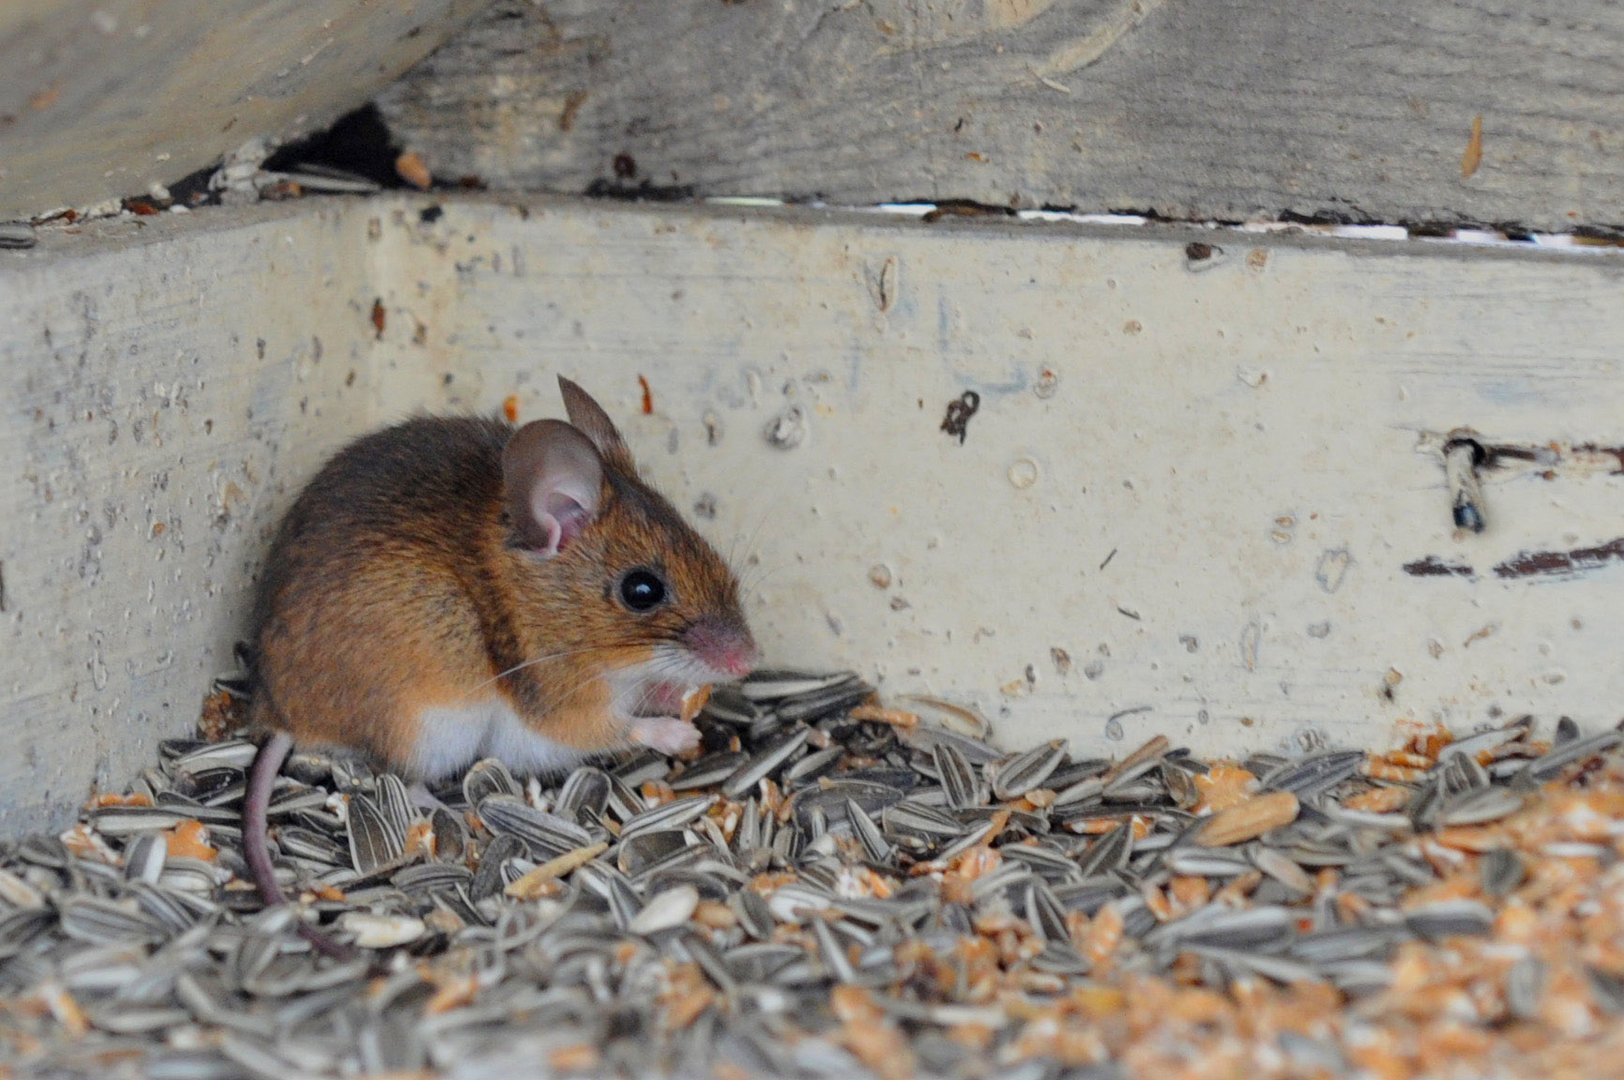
(256, 848)
(256, 801)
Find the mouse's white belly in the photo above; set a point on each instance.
(450, 738)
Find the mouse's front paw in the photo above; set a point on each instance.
(667, 734)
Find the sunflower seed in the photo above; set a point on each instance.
(235, 754)
(1277, 968)
(755, 917)
(822, 703)
(710, 770)
(546, 835)
(864, 867)
(765, 762)
(1502, 872)
(813, 765)
(1450, 918)
(1479, 806)
(375, 839)
(117, 821)
(1024, 772)
(1560, 757)
(772, 685)
(730, 706)
(668, 909)
(1044, 913)
(19, 893)
(641, 768)
(1109, 852)
(1195, 861)
(145, 856)
(958, 779)
(673, 815)
(1312, 775)
(488, 777)
(100, 922)
(584, 796)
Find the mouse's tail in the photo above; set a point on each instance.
(268, 762)
(256, 803)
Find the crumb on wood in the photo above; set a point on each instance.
(1473, 156)
(411, 168)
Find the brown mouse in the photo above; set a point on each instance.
(452, 588)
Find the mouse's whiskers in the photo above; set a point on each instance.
(533, 661)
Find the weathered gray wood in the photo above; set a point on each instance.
(101, 98)
(1189, 108)
(164, 386)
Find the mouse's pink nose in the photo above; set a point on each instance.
(724, 646)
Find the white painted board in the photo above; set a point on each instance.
(1199, 480)
(164, 387)
(1255, 436)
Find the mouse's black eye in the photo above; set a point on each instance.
(642, 590)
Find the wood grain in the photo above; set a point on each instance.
(1188, 109)
(1202, 498)
(1188, 502)
(165, 386)
(99, 99)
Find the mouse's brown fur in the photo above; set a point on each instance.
(400, 580)
(452, 587)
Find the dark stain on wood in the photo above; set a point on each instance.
(957, 420)
(643, 191)
(1561, 563)
(963, 208)
(1615, 452)
(572, 106)
(1432, 566)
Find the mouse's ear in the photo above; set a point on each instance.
(588, 415)
(553, 480)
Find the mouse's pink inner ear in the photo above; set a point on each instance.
(552, 478)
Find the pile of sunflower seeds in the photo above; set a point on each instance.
(830, 888)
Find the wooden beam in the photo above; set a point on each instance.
(1188, 109)
(167, 384)
(1202, 491)
(99, 101)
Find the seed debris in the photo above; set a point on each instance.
(834, 890)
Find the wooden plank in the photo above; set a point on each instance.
(164, 388)
(1204, 497)
(99, 100)
(1188, 109)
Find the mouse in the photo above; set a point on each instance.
(454, 588)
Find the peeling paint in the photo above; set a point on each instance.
(1561, 563)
